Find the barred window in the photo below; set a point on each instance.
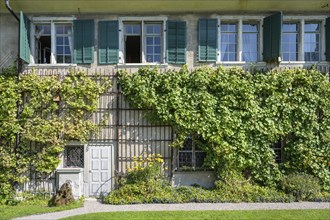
(74, 156)
(190, 155)
(278, 150)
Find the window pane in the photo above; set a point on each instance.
(136, 29)
(150, 29)
(288, 27)
(153, 43)
(157, 29)
(133, 29)
(149, 58)
(157, 40)
(59, 41)
(150, 40)
(67, 29)
(157, 59)
(312, 27)
(250, 28)
(63, 43)
(66, 40)
(250, 42)
(128, 29)
(312, 42)
(157, 49)
(59, 29)
(43, 29)
(290, 42)
(59, 50)
(59, 59)
(67, 50)
(68, 59)
(150, 49)
(228, 41)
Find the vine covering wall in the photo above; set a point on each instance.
(42, 114)
(240, 116)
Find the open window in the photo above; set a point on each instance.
(62, 37)
(142, 40)
(133, 42)
(52, 42)
(56, 40)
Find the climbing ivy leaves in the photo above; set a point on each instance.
(241, 116)
(45, 112)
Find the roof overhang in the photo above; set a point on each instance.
(166, 6)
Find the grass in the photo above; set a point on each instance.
(38, 207)
(203, 215)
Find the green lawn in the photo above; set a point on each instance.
(203, 215)
(9, 212)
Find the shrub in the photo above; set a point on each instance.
(146, 169)
(238, 189)
(301, 186)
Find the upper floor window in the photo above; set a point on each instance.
(239, 41)
(234, 40)
(52, 42)
(143, 40)
(304, 37)
(147, 42)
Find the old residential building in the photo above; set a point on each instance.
(105, 36)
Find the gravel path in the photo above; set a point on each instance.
(91, 206)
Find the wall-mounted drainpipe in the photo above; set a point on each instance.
(11, 10)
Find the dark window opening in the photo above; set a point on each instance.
(74, 156)
(278, 150)
(133, 49)
(43, 49)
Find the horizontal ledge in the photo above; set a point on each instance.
(69, 170)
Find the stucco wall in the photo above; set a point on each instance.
(8, 40)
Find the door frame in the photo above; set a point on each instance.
(111, 165)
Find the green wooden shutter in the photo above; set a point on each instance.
(327, 39)
(272, 35)
(88, 50)
(24, 38)
(176, 42)
(207, 40)
(83, 41)
(103, 42)
(108, 42)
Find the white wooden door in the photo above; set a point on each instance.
(100, 157)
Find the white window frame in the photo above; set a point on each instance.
(52, 21)
(141, 20)
(301, 20)
(239, 20)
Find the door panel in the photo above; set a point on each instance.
(100, 169)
